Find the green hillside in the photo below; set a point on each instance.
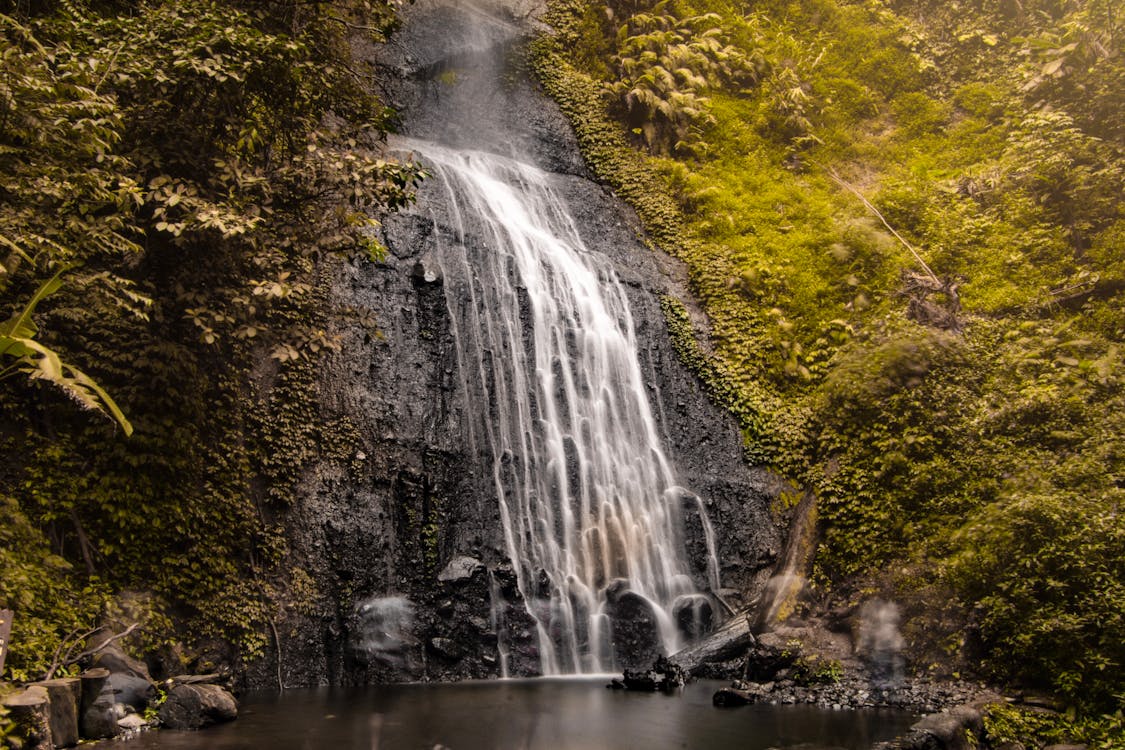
(904, 222)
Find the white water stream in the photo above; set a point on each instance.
(548, 360)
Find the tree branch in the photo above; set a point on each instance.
(854, 191)
(104, 644)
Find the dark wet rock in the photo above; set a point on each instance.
(426, 271)
(663, 675)
(99, 719)
(694, 618)
(197, 706)
(742, 693)
(387, 526)
(447, 647)
(766, 659)
(636, 631)
(731, 697)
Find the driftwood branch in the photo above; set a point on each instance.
(106, 642)
(356, 26)
(59, 658)
(71, 642)
(855, 191)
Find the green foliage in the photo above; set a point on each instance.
(192, 165)
(664, 67)
(988, 136)
(816, 670)
(1047, 573)
(1008, 724)
(38, 362)
(49, 604)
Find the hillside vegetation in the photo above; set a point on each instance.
(171, 173)
(904, 222)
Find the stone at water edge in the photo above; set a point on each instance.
(197, 706)
(663, 675)
(727, 697)
(742, 693)
(130, 690)
(132, 722)
(99, 720)
(948, 730)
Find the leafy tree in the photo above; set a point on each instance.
(191, 165)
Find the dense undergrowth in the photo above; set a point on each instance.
(904, 222)
(175, 172)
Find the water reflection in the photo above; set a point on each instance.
(526, 715)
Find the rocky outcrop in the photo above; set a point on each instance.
(664, 675)
(386, 528)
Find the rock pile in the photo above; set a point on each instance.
(115, 696)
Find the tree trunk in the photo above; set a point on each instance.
(30, 712)
(65, 695)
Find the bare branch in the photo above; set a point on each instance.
(101, 646)
(854, 191)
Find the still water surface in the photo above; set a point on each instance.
(526, 715)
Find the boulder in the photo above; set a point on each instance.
(197, 705)
(65, 697)
(113, 658)
(694, 617)
(636, 630)
(132, 691)
(663, 675)
(99, 719)
(131, 722)
(742, 693)
(952, 728)
(948, 730)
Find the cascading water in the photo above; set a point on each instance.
(549, 366)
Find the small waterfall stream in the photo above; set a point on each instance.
(548, 362)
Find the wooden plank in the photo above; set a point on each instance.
(5, 634)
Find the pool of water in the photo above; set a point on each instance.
(526, 715)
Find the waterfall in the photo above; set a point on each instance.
(549, 366)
